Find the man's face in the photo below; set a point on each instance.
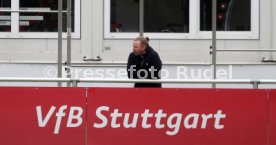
(138, 48)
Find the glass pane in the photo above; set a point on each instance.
(5, 3)
(124, 16)
(5, 22)
(5, 18)
(171, 16)
(232, 15)
(42, 22)
(43, 4)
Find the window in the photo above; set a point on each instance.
(166, 16)
(42, 22)
(182, 19)
(40, 16)
(124, 16)
(232, 15)
(158, 16)
(5, 18)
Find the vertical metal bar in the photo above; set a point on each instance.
(59, 41)
(75, 84)
(214, 40)
(255, 85)
(69, 41)
(141, 18)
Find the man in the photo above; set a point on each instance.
(144, 63)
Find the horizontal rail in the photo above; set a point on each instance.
(26, 79)
(169, 81)
(75, 82)
(30, 11)
(249, 50)
(267, 81)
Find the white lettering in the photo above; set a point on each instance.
(75, 117)
(134, 121)
(195, 121)
(41, 122)
(145, 117)
(101, 117)
(59, 115)
(182, 72)
(175, 126)
(158, 117)
(219, 116)
(114, 116)
(204, 120)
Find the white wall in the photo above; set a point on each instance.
(92, 43)
(273, 37)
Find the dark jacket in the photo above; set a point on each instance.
(142, 65)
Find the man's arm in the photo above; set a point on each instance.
(157, 63)
(131, 68)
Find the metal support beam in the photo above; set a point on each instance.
(256, 84)
(141, 18)
(59, 41)
(214, 40)
(69, 31)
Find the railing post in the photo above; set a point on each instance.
(69, 29)
(60, 41)
(255, 84)
(75, 83)
(141, 18)
(214, 41)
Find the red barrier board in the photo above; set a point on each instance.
(177, 117)
(42, 116)
(272, 117)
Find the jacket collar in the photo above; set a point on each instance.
(148, 50)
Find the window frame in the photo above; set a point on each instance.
(194, 26)
(15, 25)
(253, 34)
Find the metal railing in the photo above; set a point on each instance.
(75, 82)
(31, 11)
(248, 50)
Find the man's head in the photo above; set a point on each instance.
(139, 45)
